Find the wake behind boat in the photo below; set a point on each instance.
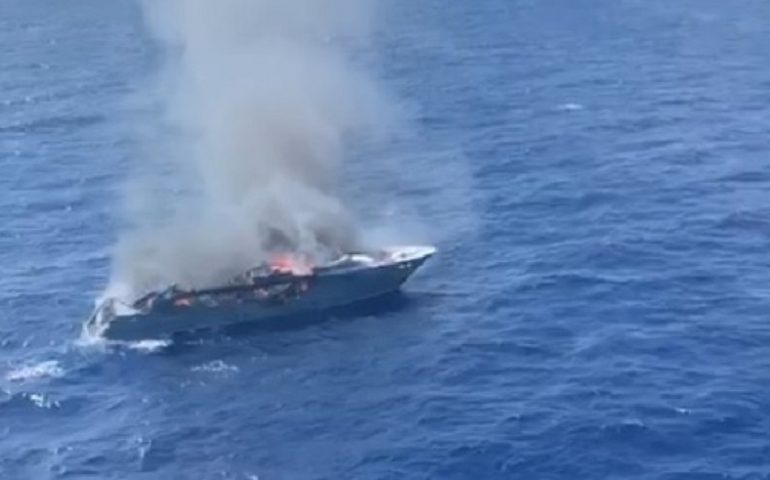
(286, 286)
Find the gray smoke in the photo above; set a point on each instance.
(260, 102)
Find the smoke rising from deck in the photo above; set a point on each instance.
(259, 101)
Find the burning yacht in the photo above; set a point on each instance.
(288, 285)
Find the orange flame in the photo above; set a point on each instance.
(295, 264)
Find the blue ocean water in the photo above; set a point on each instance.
(595, 175)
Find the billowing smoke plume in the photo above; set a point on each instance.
(260, 102)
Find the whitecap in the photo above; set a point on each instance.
(215, 366)
(41, 401)
(49, 369)
(149, 345)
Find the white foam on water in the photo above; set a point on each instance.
(147, 346)
(46, 369)
(216, 366)
(90, 339)
(41, 401)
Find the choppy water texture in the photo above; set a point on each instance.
(595, 174)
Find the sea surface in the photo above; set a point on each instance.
(595, 174)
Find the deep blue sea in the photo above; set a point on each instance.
(595, 174)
